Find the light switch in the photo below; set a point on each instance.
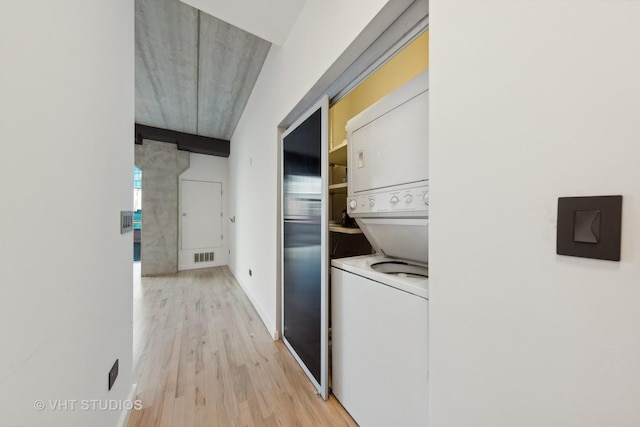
(590, 227)
(586, 226)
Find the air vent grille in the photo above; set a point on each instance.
(203, 257)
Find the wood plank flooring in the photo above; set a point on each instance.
(203, 358)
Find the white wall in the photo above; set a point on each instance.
(211, 169)
(532, 100)
(270, 21)
(323, 30)
(66, 114)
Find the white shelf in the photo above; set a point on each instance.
(344, 230)
(338, 188)
(338, 154)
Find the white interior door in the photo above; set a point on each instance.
(201, 205)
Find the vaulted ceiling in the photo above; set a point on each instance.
(194, 72)
(271, 20)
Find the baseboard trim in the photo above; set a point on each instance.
(124, 416)
(202, 265)
(268, 323)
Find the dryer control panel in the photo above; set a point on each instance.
(410, 201)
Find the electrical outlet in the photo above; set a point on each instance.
(113, 374)
(250, 273)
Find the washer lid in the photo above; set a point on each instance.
(401, 268)
(405, 238)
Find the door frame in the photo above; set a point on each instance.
(323, 104)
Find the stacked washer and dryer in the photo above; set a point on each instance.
(379, 303)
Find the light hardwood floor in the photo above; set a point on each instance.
(202, 357)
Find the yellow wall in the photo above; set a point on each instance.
(407, 64)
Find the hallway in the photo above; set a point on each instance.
(202, 357)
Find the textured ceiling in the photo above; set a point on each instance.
(194, 72)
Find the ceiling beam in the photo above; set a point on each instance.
(185, 141)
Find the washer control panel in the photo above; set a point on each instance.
(408, 200)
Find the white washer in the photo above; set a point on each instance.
(380, 344)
